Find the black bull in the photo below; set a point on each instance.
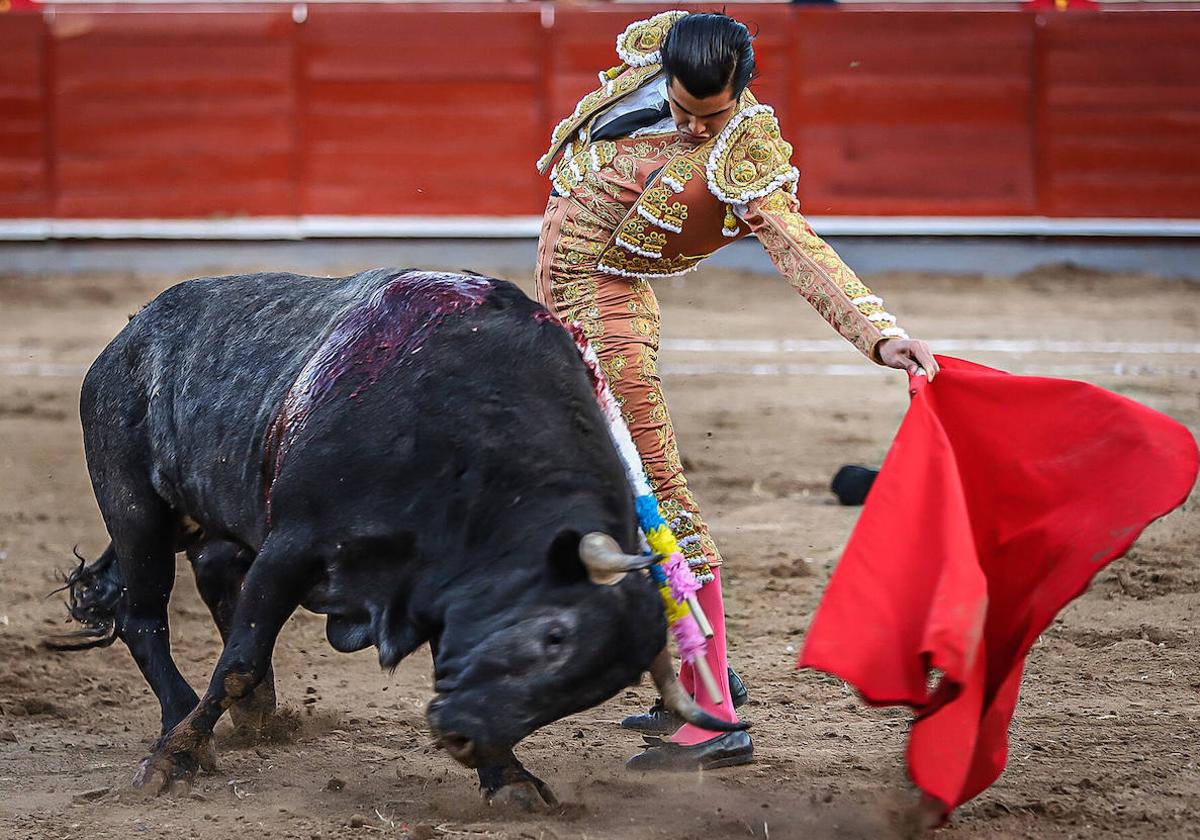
(417, 456)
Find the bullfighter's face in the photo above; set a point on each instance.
(699, 119)
(558, 647)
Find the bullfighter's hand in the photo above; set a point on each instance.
(908, 354)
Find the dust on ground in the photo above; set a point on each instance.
(1105, 741)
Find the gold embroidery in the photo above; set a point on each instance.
(622, 319)
(658, 208)
(679, 511)
(602, 96)
(616, 260)
(648, 303)
(633, 236)
(751, 158)
(730, 226)
(820, 275)
(777, 202)
(576, 164)
(644, 327)
(612, 72)
(612, 367)
(601, 154)
(640, 152)
(638, 45)
(603, 189)
(678, 171)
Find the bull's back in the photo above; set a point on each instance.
(470, 430)
(190, 385)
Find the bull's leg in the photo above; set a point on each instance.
(142, 528)
(220, 567)
(271, 591)
(509, 783)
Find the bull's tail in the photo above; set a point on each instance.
(94, 594)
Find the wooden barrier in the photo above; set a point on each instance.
(24, 148)
(1118, 115)
(914, 113)
(188, 114)
(411, 111)
(441, 110)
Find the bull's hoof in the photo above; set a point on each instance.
(253, 715)
(165, 772)
(529, 795)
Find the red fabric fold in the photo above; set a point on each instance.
(1000, 499)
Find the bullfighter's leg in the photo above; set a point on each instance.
(143, 530)
(220, 568)
(271, 592)
(713, 605)
(509, 783)
(622, 322)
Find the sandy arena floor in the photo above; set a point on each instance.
(1106, 740)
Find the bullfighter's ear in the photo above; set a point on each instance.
(563, 557)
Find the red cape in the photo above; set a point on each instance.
(1000, 499)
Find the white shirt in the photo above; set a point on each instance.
(650, 95)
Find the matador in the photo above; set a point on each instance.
(668, 160)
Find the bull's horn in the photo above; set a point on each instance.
(677, 700)
(605, 562)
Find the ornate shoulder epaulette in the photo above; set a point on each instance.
(612, 89)
(750, 158)
(638, 48)
(638, 44)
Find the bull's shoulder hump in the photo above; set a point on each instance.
(229, 296)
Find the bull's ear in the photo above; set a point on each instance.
(563, 557)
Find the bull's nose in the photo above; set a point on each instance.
(460, 747)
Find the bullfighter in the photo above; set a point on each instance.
(668, 160)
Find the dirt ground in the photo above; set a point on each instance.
(1106, 741)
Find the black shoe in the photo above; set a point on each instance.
(728, 750)
(737, 689)
(660, 721)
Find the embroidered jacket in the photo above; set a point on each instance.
(705, 196)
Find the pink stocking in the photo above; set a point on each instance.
(710, 601)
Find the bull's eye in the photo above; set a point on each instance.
(555, 638)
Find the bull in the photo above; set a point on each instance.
(417, 456)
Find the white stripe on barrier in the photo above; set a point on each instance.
(734, 369)
(44, 370)
(948, 345)
(527, 227)
(789, 346)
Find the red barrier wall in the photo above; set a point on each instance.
(442, 110)
(915, 113)
(187, 114)
(1119, 115)
(24, 150)
(413, 111)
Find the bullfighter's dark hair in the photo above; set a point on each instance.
(708, 52)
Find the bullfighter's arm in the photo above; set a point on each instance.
(818, 273)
